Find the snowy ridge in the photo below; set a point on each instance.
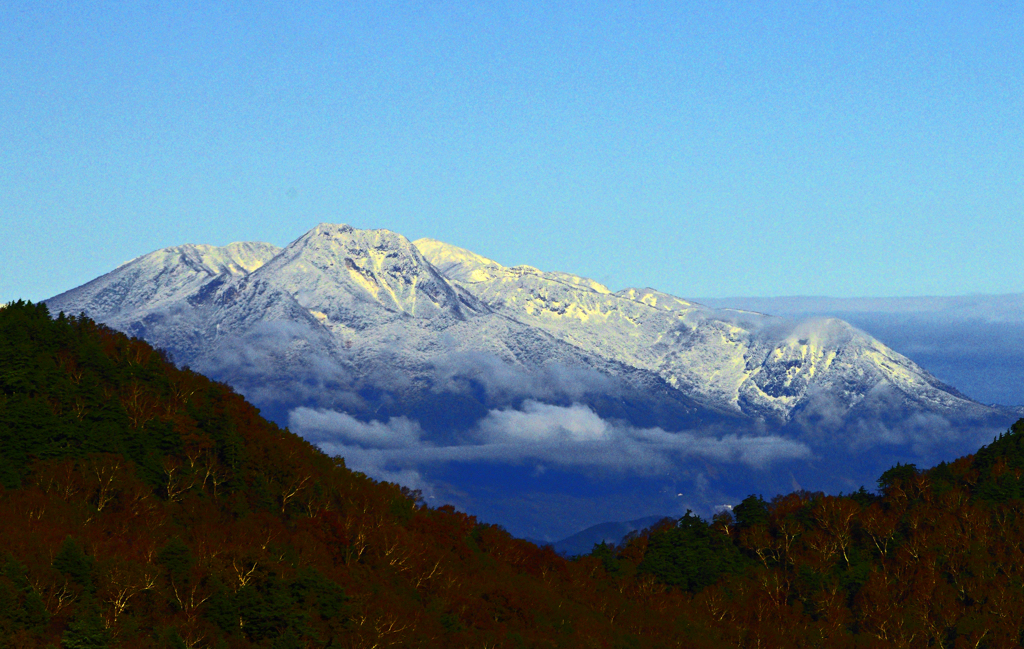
(728, 359)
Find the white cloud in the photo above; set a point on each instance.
(539, 422)
(567, 436)
(319, 425)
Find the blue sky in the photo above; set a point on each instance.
(702, 148)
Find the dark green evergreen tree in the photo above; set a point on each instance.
(691, 555)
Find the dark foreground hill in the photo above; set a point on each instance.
(144, 505)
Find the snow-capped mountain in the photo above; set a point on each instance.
(365, 305)
(409, 356)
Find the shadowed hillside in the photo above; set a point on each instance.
(144, 505)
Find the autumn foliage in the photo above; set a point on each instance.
(144, 505)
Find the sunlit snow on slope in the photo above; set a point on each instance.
(732, 360)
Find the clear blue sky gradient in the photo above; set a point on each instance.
(702, 148)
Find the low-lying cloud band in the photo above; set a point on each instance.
(567, 436)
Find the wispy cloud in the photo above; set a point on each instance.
(328, 426)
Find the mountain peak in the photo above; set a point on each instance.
(165, 276)
(333, 267)
(343, 237)
(239, 258)
(330, 228)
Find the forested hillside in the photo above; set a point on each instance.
(143, 505)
